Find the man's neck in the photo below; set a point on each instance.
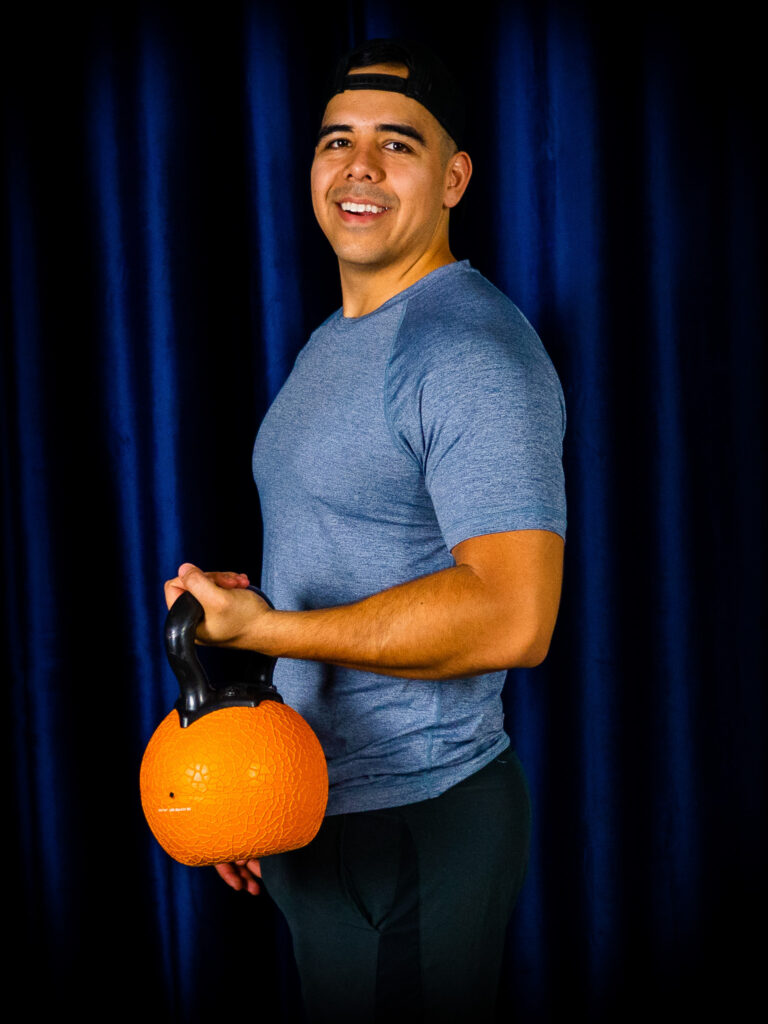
(364, 289)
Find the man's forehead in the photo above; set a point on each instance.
(362, 108)
(400, 70)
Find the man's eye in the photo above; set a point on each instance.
(398, 147)
(337, 143)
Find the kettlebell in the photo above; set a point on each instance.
(232, 772)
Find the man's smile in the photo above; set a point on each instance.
(360, 211)
(362, 208)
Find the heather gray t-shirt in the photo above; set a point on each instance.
(398, 434)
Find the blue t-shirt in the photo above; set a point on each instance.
(398, 434)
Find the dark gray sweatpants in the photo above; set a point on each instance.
(401, 914)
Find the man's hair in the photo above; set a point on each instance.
(429, 81)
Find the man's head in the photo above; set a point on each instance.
(386, 169)
(388, 142)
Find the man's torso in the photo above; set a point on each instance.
(435, 418)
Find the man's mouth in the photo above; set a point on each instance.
(362, 208)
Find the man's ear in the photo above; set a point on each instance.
(458, 172)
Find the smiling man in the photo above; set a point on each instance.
(412, 498)
(384, 179)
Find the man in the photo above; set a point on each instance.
(411, 487)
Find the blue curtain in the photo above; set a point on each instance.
(160, 269)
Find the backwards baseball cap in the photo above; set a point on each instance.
(429, 82)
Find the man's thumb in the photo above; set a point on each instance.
(195, 580)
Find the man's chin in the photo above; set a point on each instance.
(362, 257)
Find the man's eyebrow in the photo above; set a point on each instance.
(400, 129)
(329, 129)
(403, 129)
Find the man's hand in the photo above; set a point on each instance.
(228, 580)
(241, 875)
(232, 612)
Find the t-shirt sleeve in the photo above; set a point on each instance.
(482, 411)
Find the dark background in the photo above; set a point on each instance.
(159, 270)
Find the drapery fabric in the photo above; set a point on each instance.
(160, 269)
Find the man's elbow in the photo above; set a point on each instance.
(503, 652)
(533, 655)
(530, 649)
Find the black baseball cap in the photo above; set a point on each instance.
(429, 81)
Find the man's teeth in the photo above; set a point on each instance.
(362, 208)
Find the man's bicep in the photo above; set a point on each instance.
(522, 571)
(493, 460)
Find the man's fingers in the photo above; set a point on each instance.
(251, 883)
(226, 580)
(206, 584)
(239, 877)
(248, 876)
(229, 580)
(244, 875)
(231, 875)
(254, 866)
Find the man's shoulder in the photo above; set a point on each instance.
(464, 315)
(462, 293)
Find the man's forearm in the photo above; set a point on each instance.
(451, 623)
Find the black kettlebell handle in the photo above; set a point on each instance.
(198, 697)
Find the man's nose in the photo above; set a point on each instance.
(364, 164)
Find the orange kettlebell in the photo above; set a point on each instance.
(232, 772)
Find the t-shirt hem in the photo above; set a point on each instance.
(394, 791)
(501, 521)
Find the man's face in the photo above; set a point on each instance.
(379, 176)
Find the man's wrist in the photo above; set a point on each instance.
(261, 633)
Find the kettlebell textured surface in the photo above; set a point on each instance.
(237, 783)
(232, 772)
